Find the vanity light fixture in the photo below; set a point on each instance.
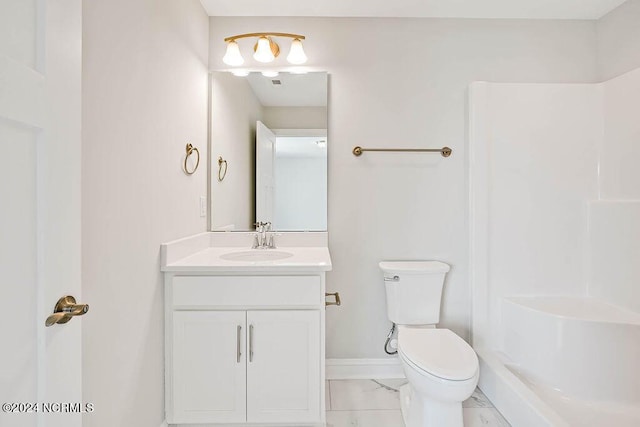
(266, 49)
(268, 73)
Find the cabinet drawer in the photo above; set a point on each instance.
(247, 291)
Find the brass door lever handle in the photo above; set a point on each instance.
(65, 309)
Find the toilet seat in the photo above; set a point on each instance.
(437, 352)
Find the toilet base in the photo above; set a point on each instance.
(418, 412)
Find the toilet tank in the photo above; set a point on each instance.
(414, 291)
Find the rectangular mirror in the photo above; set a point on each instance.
(268, 151)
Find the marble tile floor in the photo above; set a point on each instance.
(376, 403)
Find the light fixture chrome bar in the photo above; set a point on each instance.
(444, 151)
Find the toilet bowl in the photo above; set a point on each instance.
(442, 370)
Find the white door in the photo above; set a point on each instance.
(209, 367)
(265, 157)
(40, 64)
(283, 367)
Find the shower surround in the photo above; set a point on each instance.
(555, 243)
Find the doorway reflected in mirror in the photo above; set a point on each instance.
(291, 178)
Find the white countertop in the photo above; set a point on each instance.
(202, 253)
(307, 259)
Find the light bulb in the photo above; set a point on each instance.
(263, 50)
(240, 73)
(232, 56)
(296, 54)
(268, 73)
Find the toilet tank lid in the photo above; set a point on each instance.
(414, 267)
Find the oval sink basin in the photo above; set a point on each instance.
(256, 255)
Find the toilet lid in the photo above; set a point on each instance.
(438, 352)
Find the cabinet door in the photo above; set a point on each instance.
(283, 366)
(209, 376)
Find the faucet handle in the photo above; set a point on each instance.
(256, 241)
(271, 241)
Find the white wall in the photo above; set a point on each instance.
(402, 83)
(619, 172)
(614, 252)
(300, 193)
(535, 150)
(619, 40)
(144, 98)
(544, 158)
(615, 221)
(295, 117)
(234, 112)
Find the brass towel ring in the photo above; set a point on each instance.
(190, 150)
(221, 174)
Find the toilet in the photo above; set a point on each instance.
(441, 368)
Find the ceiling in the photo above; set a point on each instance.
(514, 9)
(301, 146)
(294, 90)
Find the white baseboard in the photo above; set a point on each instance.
(350, 369)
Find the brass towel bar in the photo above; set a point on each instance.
(445, 151)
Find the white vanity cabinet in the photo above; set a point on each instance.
(245, 349)
(208, 380)
(283, 366)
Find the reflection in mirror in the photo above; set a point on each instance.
(291, 178)
(272, 131)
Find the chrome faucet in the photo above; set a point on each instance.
(263, 239)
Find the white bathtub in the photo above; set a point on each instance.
(565, 362)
